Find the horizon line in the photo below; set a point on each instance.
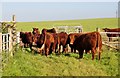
(69, 19)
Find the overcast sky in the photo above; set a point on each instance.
(35, 10)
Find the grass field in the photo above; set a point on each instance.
(27, 64)
(87, 24)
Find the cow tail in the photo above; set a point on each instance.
(58, 43)
(45, 38)
(99, 44)
(97, 41)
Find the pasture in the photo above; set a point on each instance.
(88, 24)
(27, 64)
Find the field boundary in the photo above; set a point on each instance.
(111, 44)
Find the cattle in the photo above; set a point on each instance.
(71, 39)
(45, 42)
(26, 38)
(36, 31)
(62, 41)
(112, 34)
(35, 45)
(49, 30)
(88, 41)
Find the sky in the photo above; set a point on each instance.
(35, 10)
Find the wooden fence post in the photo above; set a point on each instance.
(0, 53)
(10, 41)
(13, 18)
(98, 29)
(0, 42)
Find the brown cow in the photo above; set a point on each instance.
(62, 41)
(112, 34)
(88, 41)
(26, 38)
(45, 42)
(71, 39)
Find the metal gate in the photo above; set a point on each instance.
(5, 42)
(69, 29)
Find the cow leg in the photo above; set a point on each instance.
(74, 50)
(59, 49)
(51, 48)
(46, 51)
(87, 51)
(99, 55)
(25, 45)
(81, 54)
(56, 48)
(71, 46)
(43, 51)
(99, 52)
(31, 46)
(93, 53)
(63, 49)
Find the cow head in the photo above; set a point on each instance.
(71, 39)
(35, 30)
(35, 39)
(21, 34)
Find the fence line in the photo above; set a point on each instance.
(69, 29)
(110, 33)
(6, 40)
(112, 44)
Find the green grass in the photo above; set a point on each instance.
(88, 24)
(27, 64)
